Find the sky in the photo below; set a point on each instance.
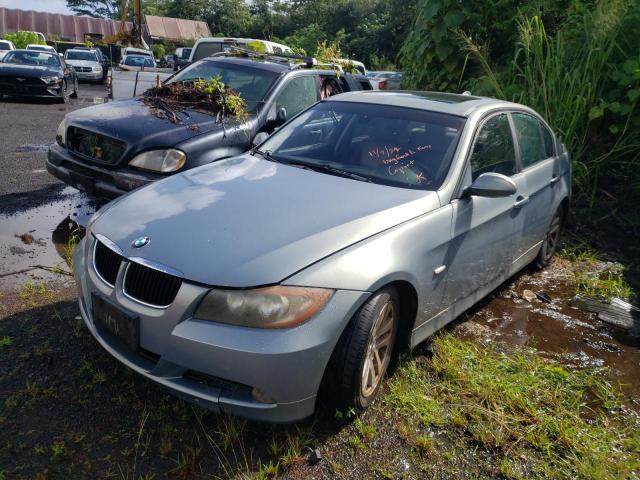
(52, 6)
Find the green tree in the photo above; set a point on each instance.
(22, 39)
(97, 8)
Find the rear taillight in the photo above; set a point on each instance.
(382, 85)
(109, 87)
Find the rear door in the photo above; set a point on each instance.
(486, 231)
(541, 168)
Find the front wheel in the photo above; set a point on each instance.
(365, 350)
(551, 240)
(74, 94)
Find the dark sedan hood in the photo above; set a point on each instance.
(133, 122)
(245, 221)
(37, 71)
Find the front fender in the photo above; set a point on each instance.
(409, 252)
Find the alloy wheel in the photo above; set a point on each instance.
(553, 236)
(379, 349)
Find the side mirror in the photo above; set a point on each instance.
(259, 138)
(281, 117)
(492, 185)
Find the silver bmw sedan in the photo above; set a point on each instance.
(361, 227)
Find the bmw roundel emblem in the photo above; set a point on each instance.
(140, 242)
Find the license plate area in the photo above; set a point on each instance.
(117, 323)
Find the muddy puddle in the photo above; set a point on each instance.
(34, 243)
(555, 328)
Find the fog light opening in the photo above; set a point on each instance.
(261, 396)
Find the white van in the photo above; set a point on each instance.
(208, 46)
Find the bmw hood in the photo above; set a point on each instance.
(133, 123)
(246, 222)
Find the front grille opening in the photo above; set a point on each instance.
(106, 262)
(151, 286)
(216, 382)
(95, 146)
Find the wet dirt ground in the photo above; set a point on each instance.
(28, 127)
(556, 328)
(34, 242)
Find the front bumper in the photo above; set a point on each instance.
(43, 90)
(92, 76)
(287, 365)
(93, 179)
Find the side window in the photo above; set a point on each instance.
(493, 150)
(549, 147)
(297, 95)
(530, 142)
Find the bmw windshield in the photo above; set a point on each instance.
(393, 146)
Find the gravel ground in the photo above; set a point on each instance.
(28, 126)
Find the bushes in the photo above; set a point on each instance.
(22, 39)
(582, 75)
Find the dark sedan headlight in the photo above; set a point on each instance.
(270, 307)
(163, 161)
(50, 80)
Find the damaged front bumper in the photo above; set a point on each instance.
(93, 179)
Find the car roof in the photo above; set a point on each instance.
(451, 103)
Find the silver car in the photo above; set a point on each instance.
(85, 63)
(361, 227)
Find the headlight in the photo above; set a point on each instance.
(97, 69)
(270, 307)
(159, 160)
(61, 134)
(53, 79)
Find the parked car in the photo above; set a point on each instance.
(181, 58)
(205, 47)
(86, 64)
(138, 61)
(5, 46)
(378, 77)
(392, 82)
(41, 48)
(136, 147)
(359, 228)
(102, 58)
(37, 74)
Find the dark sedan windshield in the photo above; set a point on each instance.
(32, 57)
(81, 55)
(251, 83)
(378, 143)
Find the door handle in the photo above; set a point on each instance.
(520, 201)
(554, 178)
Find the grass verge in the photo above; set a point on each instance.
(534, 417)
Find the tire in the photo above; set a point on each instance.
(365, 349)
(63, 98)
(551, 240)
(74, 94)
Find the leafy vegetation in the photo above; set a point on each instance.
(22, 39)
(576, 63)
(211, 95)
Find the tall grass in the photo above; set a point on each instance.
(563, 77)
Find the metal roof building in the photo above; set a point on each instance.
(70, 28)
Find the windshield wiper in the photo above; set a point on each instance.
(266, 154)
(326, 168)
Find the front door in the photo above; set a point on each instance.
(486, 231)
